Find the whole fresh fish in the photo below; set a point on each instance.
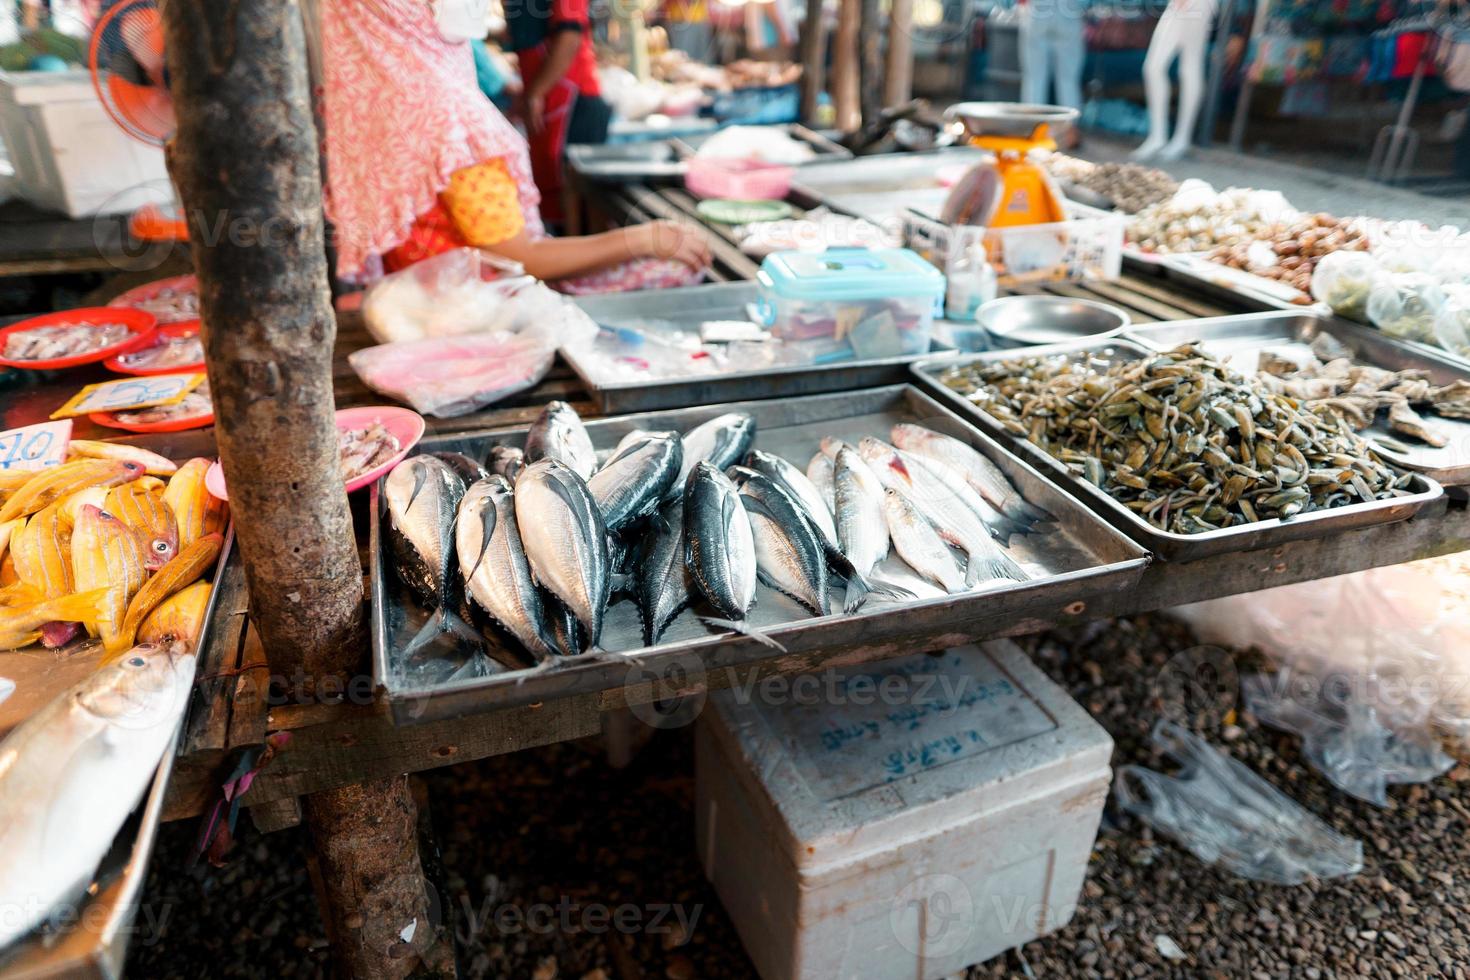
(981, 473)
(423, 496)
(664, 587)
(21, 623)
(631, 483)
(570, 637)
(198, 511)
(179, 617)
(492, 562)
(918, 544)
(72, 505)
(506, 461)
(48, 486)
(721, 441)
(465, 468)
(719, 547)
(107, 554)
(558, 434)
(143, 509)
(830, 446)
(8, 531)
(42, 553)
(862, 532)
(819, 472)
(935, 485)
(948, 510)
(565, 540)
(817, 507)
(789, 553)
(152, 463)
(633, 436)
(72, 773)
(184, 570)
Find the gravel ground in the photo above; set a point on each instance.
(535, 845)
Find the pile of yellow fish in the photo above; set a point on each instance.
(114, 541)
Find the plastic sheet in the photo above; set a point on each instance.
(1343, 281)
(1223, 813)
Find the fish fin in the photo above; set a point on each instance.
(441, 623)
(859, 589)
(86, 608)
(995, 567)
(1001, 528)
(1029, 513)
(744, 629)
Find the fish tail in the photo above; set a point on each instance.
(444, 622)
(1023, 512)
(860, 588)
(995, 566)
(1002, 527)
(89, 608)
(744, 629)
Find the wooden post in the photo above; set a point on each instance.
(813, 60)
(246, 166)
(898, 77)
(871, 32)
(845, 67)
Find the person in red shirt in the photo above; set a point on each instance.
(564, 104)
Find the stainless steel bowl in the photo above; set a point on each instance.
(1016, 119)
(1048, 319)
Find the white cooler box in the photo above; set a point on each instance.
(904, 835)
(67, 152)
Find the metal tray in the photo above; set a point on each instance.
(625, 163)
(1078, 559)
(687, 144)
(879, 188)
(111, 908)
(682, 311)
(1241, 289)
(1240, 339)
(1166, 544)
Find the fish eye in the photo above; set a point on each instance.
(135, 661)
(160, 546)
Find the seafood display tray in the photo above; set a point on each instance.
(1077, 558)
(1239, 339)
(1167, 544)
(1239, 288)
(99, 949)
(683, 310)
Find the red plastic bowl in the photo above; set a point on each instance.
(741, 180)
(141, 325)
(167, 331)
(406, 426)
(145, 292)
(110, 420)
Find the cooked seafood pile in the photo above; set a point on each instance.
(170, 352)
(533, 553)
(1180, 438)
(101, 543)
(193, 405)
(363, 449)
(1324, 378)
(63, 340)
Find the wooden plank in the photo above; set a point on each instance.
(1073, 290)
(1193, 304)
(277, 815)
(250, 705)
(209, 718)
(723, 251)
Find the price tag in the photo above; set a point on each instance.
(130, 393)
(35, 447)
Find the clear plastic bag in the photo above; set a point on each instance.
(1343, 281)
(449, 376)
(464, 290)
(1404, 305)
(1223, 813)
(1452, 322)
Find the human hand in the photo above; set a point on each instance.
(535, 111)
(677, 241)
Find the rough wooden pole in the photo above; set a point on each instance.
(845, 68)
(246, 165)
(898, 77)
(813, 60)
(870, 30)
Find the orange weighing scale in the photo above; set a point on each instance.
(1008, 188)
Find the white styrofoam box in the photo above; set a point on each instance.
(923, 815)
(68, 154)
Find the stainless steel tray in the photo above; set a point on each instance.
(1078, 559)
(1166, 544)
(625, 163)
(110, 910)
(1242, 290)
(1239, 339)
(682, 311)
(880, 187)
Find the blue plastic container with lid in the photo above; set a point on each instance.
(876, 302)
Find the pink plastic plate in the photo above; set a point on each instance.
(407, 427)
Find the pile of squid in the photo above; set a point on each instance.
(527, 549)
(112, 543)
(1181, 439)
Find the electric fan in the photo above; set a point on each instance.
(128, 72)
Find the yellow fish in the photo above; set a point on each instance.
(107, 554)
(179, 617)
(7, 530)
(192, 562)
(51, 485)
(42, 553)
(73, 504)
(198, 511)
(20, 626)
(143, 510)
(153, 463)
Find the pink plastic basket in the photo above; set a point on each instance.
(741, 180)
